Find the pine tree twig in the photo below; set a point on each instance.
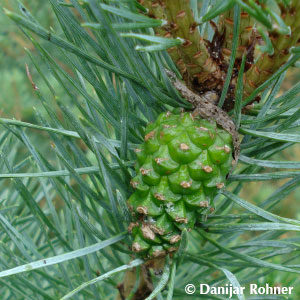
(247, 36)
(268, 64)
(145, 286)
(193, 58)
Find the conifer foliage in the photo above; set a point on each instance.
(169, 107)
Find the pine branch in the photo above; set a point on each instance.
(193, 57)
(73, 168)
(246, 35)
(268, 64)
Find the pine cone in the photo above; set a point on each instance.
(181, 166)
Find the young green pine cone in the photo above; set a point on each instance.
(180, 167)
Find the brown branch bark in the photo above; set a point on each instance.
(205, 107)
(145, 286)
